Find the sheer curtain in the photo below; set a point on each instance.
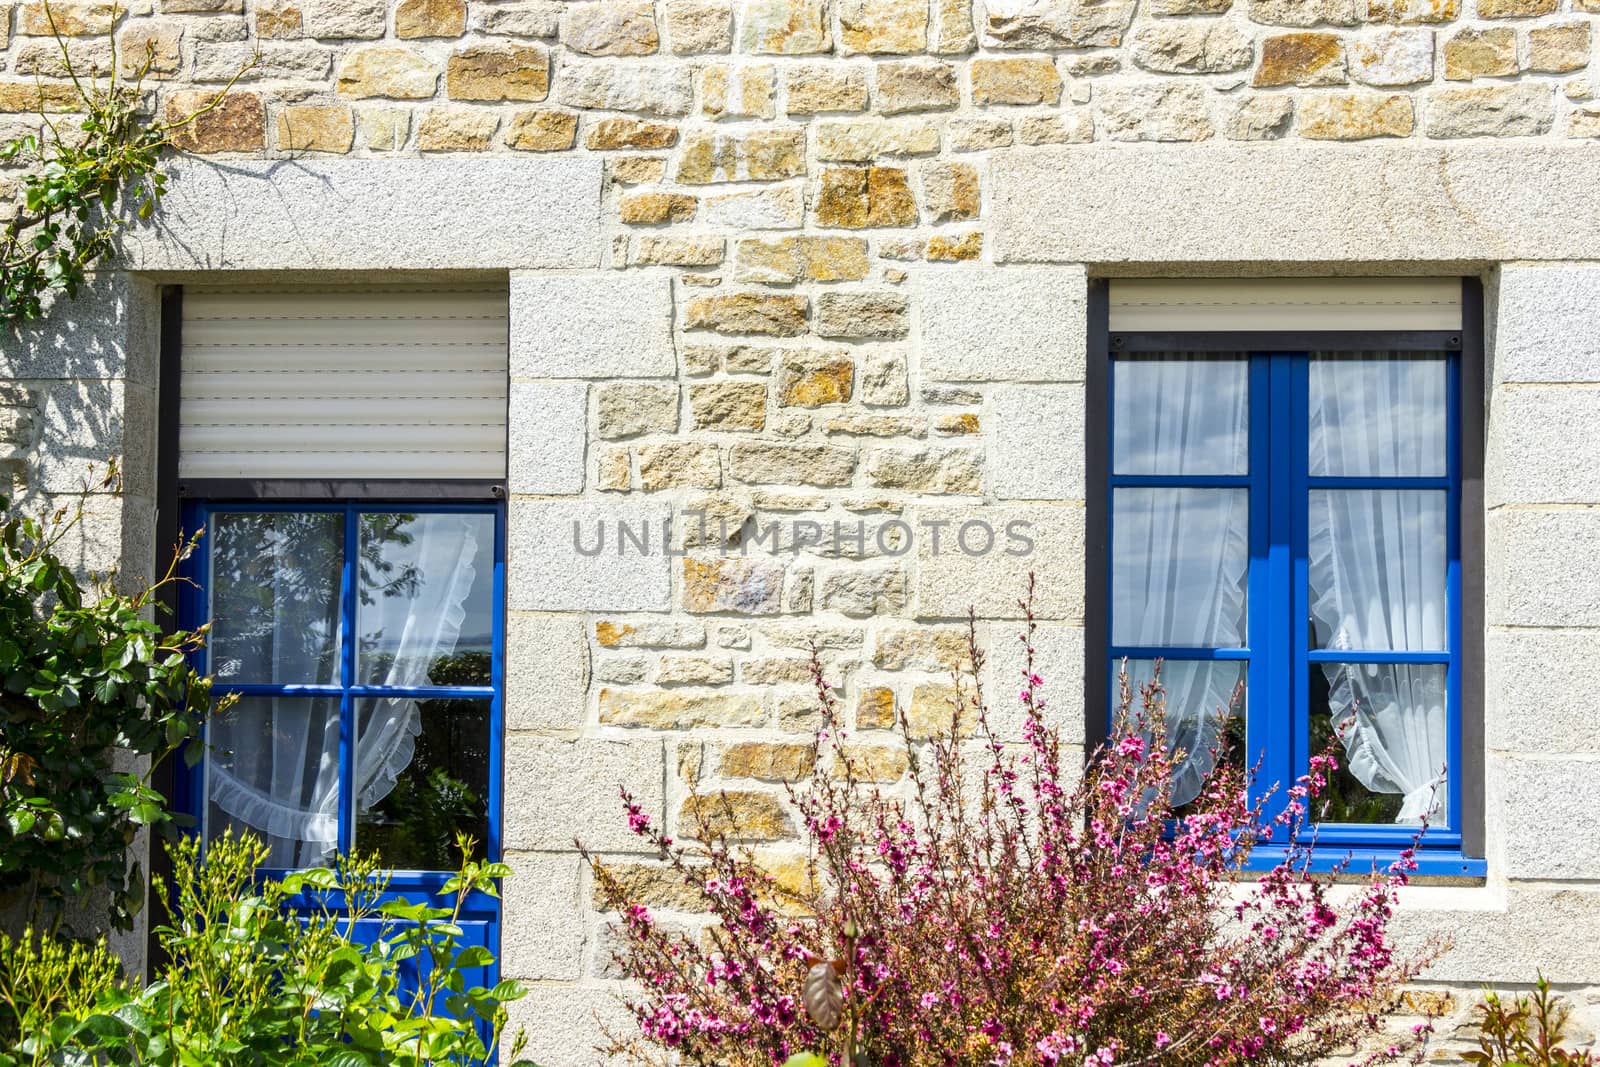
(275, 764)
(1377, 568)
(1181, 556)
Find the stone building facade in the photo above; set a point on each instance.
(834, 260)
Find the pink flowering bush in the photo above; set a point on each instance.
(1002, 910)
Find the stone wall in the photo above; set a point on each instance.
(791, 262)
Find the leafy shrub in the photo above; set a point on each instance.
(1527, 1032)
(89, 685)
(248, 981)
(995, 912)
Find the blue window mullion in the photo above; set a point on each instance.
(497, 663)
(347, 676)
(1297, 502)
(1118, 652)
(1346, 655)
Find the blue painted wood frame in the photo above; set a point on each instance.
(481, 913)
(1278, 657)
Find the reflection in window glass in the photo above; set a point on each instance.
(275, 588)
(1391, 723)
(425, 613)
(1181, 416)
(1377, 417)
(422, 777)
(273, 772)
(1179, 563)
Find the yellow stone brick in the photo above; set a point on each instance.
(610, 27)
(792, 259)
(638, 170)
(761, 155)
(676, 709)
(149, 46)
(654, 886)
(1560, 48)
(237, 124)
(768, 761)
(1515, 9)
(679, 250)
(643, 209)
(810, 381)
(862, 140)
(541, 131)
(385, 129)
(316, 128)
(618, 133)
(950, 191)
(612, 473)
(1301, 59)
(279, 21)
(729, 406)
(873, 764)
(933, 711)
(31, 96)
(396, 73)
(922, 648)
(814, 88)
(69, 18)
(738, 92)
(735, 815)
(954, 248)
(1480, 53)
(879, 27)
(456, 129)
(955, 425)
(786, 27)
(732, 583)
(695, 26)
(693, 670)
(679, 464)
(1014, 81)
(861, 197)
(498, 72)
(430, 18)
(754, 313)
(1355, 116)
(875, 708)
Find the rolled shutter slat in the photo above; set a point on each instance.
(1158, 305)
(343, 384)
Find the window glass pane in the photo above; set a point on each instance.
(426, 609)
(275, 589)
(1178, 415)
(422, 776)
(1377, 569)
(1200, 700)
(1392, 729)
(273, 772)
(1179, 563)
(1377, 417)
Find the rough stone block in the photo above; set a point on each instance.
(879, 27)
(395, 73)
(547, 437)
(916, 85)
(675, 709)
(1036, 442)
(571, 326)
(1523, 110)
(1545, 800)
(785, 27)
(542, 929)
(1532, 705)
(1056, 23)
(1044, 540)
(628, 409)
(740, 585)
(547, 671)
(1354, 116)
(818, 87)
(316, 128)
(1155, 112)
(610, 28)
(558, 790)
(1529, 554)
(1548, 323)
(586, 555)
(237, 124)
(1006, 324)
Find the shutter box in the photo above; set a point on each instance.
(1238, 304)
(343, 384)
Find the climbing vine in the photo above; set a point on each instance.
(80, 189)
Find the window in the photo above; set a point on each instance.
(1284, 522)
(344, 449)
(363, 643)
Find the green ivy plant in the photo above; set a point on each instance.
(251, 980)
(79, 191)
(90, 685)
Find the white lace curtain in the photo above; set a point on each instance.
(1377, 560)
(276, 762)
(1182, 555)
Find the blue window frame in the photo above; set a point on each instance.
(1288, 522)
(366, 643)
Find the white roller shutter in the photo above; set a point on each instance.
(353, 384)
(1167, 304)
